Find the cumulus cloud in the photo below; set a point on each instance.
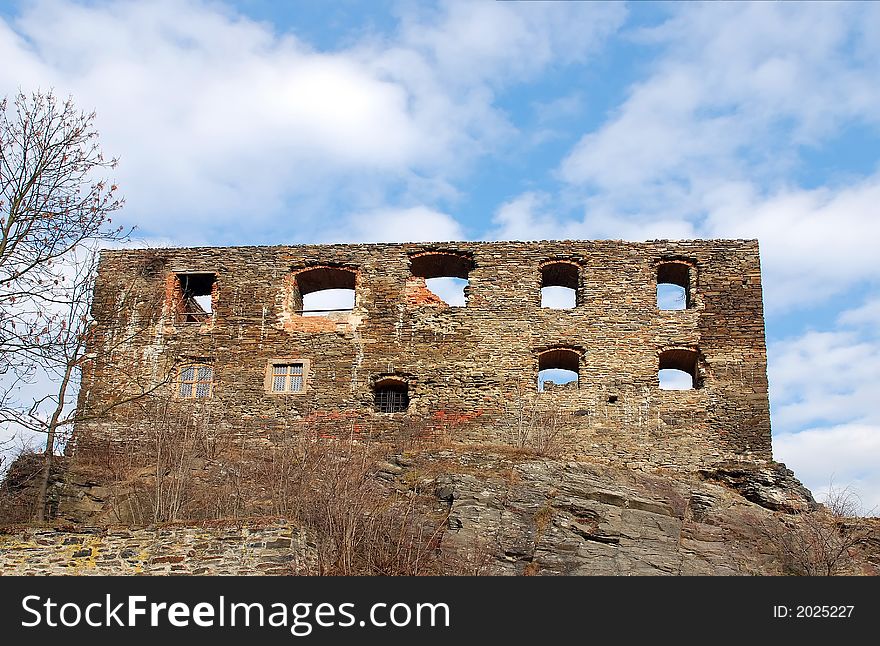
(415, 224)
(524, 218)
(473, 42)
(842, 456)
(228, 130)
(828, 383)
(815, 243)
(758, 76)
(211, 113)
(824, 376)
(533, 216)
(867, 314)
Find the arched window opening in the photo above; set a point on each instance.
(678, 370)
(673, 286)
(558, 368)
(324, 290)
(445, 275)
(391, 396)
(559, 282)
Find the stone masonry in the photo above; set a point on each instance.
(473, 367)
(232, 549)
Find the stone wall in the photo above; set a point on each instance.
(274, 548)
(470, 368)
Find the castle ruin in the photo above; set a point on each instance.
(230, 331)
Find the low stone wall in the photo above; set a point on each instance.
(272, 548)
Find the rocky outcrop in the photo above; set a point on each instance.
(770, 485)
(541, 516)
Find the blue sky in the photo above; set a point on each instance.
(293, 122)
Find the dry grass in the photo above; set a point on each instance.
(322, 475)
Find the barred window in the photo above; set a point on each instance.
(391, 397)
(287, 377)
(194, 381)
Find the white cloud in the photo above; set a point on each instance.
(824, 376)
(831, 375)
(322, 302)
(814, 243)
(675, 380)
(705, 146)
(474, 42)
(222, 124)
(449, 289)
(558, 298)
(523, 219)
(759, 76)
(866, 315)
(845, 455)
(212, 114)
(415, 224)
(828, 382)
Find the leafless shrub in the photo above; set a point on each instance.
(824, 542)
(19, 486)
(318, 475)
(536, 427)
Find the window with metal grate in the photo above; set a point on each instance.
(391, 397)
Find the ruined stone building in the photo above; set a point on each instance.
(234, 330)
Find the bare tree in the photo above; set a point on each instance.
(54, 213)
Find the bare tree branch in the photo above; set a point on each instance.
(54, 214)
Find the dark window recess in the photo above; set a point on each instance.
(445, 273)
(321, 291)
(679, 369)
(559, 283)
(391, 397)
(558, 368)
(196, 297)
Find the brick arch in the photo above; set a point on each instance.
(441, 264)
(562, 358)
(685, 359)
(316, 279)
(560, 273)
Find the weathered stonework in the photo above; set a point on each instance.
(272, 548)
(474, 367)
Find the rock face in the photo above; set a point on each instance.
(541, 516)
(769, 485)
